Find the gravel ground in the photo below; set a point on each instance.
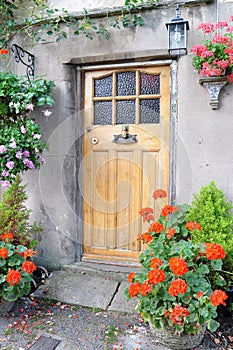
(90, 329)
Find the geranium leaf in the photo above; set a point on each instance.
(212, 325)
(216, 264)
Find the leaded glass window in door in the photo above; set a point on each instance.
(126, 97)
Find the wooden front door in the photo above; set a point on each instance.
(125, 157)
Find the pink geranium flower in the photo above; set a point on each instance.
(214, 54)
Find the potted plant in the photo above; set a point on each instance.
(16, 269)
(213, 56)
(16, 246)
(174, 293)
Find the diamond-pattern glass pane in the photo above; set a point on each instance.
(150, 84)
(126, 83)
(125, 112)
(103, 113)
(103, 87)
(150, 111)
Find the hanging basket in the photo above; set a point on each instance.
(213, 86)
(178, 342)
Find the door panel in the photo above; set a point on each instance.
(119, 174)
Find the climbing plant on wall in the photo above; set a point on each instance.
(42, 20)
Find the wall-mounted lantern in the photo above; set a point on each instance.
(177, 35)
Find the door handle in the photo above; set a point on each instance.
(125, 131)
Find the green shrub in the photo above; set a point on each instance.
(15, 217)
(213, 212)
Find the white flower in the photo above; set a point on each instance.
(23, 130)
(16, 106)
(47, 113)
(12, 144)
(37, 136)
(29, 107)
(2, 148)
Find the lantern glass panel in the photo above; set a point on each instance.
(177, 36)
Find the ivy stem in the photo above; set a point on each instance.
(230, 273)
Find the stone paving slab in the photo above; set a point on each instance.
(78, 289)
(119, 302)
(88, 290)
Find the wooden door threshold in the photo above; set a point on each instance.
(111, 260)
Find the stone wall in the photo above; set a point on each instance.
(204, 137)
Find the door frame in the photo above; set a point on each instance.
(79, 151)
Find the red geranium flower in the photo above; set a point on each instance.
(178, 266)
(178, 286)
(214, 251)
(6, 236)
(155, 263)
(156, 276)
(168, 209)
(166, 313)
(192, 225)
(156, 227)
(29, 253)
(170, 232)
(146, 288)
(159, 194)
(146, 237)
(134, 289)
(178, 313)
(218, 297)
(199, 295)
(13, 277)
(3, 252)
(147, 214)
(28, 266)
(3, 51)
(131, 277)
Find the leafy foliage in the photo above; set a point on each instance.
(213, 212)
(46, 20)
(16, 93)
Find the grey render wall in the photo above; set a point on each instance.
(203, 149)
(205, 145)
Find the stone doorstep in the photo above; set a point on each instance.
(87, 290)
(115, 272)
